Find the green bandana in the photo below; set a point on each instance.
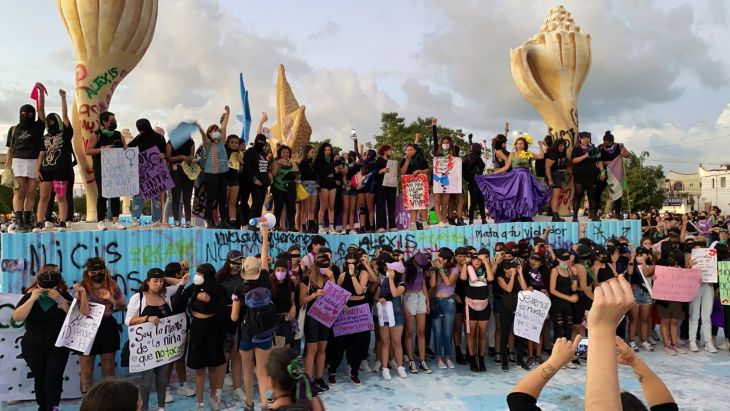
(106, 133)
(46, 302)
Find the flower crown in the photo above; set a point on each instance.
(527, 137)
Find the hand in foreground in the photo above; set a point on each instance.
(611, 300)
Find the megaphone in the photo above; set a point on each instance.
(267, 220)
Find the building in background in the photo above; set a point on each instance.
(715, 188)
(684, 192)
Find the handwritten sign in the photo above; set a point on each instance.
(390, 179)
(706, 262)
(356, 319)
(532, 310)
(386, 315)
(154, 177)
(79, 331)
(415, 192)
(676, 284)
(119, 172)
(328, 307)
(447, 175)
(723, 269)
(153, 345)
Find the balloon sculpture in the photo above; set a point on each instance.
(292, 127)
(110, 38)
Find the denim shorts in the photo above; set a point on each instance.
(642, 296)
(311, 187)
(245, 344)
(398, 311)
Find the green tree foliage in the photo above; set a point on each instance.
(6, 200)
(644, 183)
(316, 145)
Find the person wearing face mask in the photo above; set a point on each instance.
(257, 169)
(477, 272)
(101, 289)
(43, 308)
(445, 149)
(178, 270)
(56, 165)
(233, 182)
(586, 277)
(612, 158)
(413, 164)
(25, 143)
(106, 137)
(444, 305)
(182, 192)
(562, 290)
(474, 166)
(205, 300)
(151, 304)
(587, 171)
(324, 165)
(305, 209)
(146, 139)
(284, 297)
(215, 164)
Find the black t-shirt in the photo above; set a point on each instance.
(519, 401)
(115, 139)
(184, 150)
(147, 140)
(416, 163)
(282, 298)
(608, 154)
(380, 164)
(26, 141)
(306, 170)
(510, 298)
(58, 150)
(560, 163)
(604, 274)
(587, 167)
(39, 321)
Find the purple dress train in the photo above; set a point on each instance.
(513, 195)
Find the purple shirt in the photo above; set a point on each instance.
(444, 289)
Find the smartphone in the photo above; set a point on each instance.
(353, 134)
(582, 350)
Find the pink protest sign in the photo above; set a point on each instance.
(676, 284)
(356, 319)
(328, 307)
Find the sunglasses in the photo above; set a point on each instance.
(295, 255)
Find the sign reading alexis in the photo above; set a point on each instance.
(327, 307)
(79, 331)
(153, 345)
(532, 310)
(676, 284)
(119, 172)
(353, 320)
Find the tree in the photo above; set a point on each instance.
(644, 183)
(6, 200)
(316, 144)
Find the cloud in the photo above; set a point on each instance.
(329, 29)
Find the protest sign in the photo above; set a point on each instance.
(17, 381)
(386, 316)
(647, 283)
(119, 172)
(447, 175)
(676, 284)
(723, 270)
(390, 179)
(328, 307)
(415, 192)
(79, 331)
(532, 310)
(154, 177)
(706, 262)
(353, 320)
(153, 345)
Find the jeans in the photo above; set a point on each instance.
(47, 364)
(156, 379)
(700, 309)
(443, 326)
(101, 202)
(138, 204)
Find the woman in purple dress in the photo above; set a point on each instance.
(512, 193)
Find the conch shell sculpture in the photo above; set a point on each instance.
(110, 38)
(549, 70)
(292, 127)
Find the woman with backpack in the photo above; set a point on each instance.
(230, 278)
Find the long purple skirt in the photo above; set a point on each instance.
(513, 195)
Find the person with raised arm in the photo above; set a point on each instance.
(106, 137)
(215, 165)
(415, 164)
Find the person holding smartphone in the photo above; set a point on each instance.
(511, 282)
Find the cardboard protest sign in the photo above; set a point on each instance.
(79, 331)
(390, 179)
(447, 175)
(415, 192)
(154, 177)
(532, 310)
(706, 262)
(354, 320)
(153, 345)
(327, 307)
(119, 172)
(723, 269)
(676, 284)
(386, 315)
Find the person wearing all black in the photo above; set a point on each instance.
(587, 170)
(511, 282)
(183, 189)
(324, 166)
(384, 196)
(106, 137)
(233, 182)
(609, 152)
(44, 308)
(562, 290)
(556, 175)
(414, 163)
(284, 187)
(145, 140)
(472, 167)
(305, 218)
(256, 167)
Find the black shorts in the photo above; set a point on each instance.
(314, 331)
(232, 178)
(107, 338)
(482, 315)
(205, 343)
(56, 175)
(560, 179)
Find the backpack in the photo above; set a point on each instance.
(260, 321)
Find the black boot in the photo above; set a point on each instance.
(557, 219)
(28, 220)
(575, 217)
(19, 221)
(594, 216)
(482, 366)
(459, 356)
(472, 363)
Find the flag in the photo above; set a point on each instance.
(244, 118)
(615, 178)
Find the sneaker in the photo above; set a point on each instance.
(219, 393)
(332, 379)
(723, 345)
(651, 341)
(709, 347)
(386, 374)
(48, 225)
(680, 350)
(670, 350)
(185, 391)
(693, 346)
(61, 226)
(38, 228)
(200, 407)
(118, 226)
(634, 346)
(103, 225)
(402, 372)
(377, 366)
(524, 366)
(681, 343)
(168, 397)
(365, 366)
(426, 225)
(406, 359)
(424, 368)
(441, 364)
(381, 230)
(322, 230)
(393, 230)
(570, 365)
(412, 227)
(646, 346)
(248, 407)
(449, 363)
(215, 403)
(412, 367)
(240, 395)
(355, 380)
(322, 385)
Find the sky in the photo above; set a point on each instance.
(659, 78)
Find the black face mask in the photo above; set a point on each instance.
(53, 124)
(98, 278)
(112, 126)
(48, 281)
(27, 115)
